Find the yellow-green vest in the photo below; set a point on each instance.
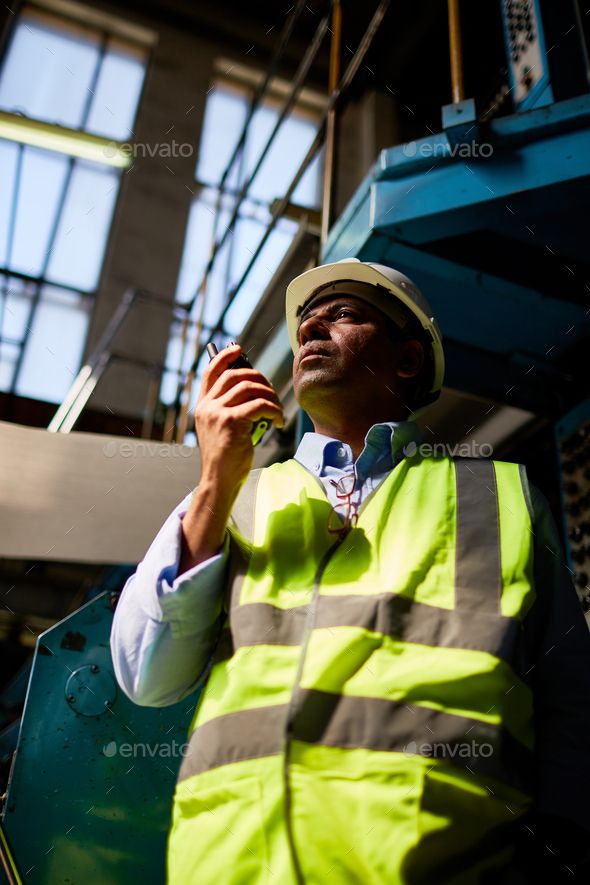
(365, 718)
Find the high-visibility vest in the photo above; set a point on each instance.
(366, 718)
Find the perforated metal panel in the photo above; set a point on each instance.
(573, 441)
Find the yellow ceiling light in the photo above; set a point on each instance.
(15, 127)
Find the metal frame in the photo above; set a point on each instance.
(41, 279)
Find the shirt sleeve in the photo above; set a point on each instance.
(166, 625)
(558, 642)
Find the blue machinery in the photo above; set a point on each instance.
(524, 179)
(473, 214)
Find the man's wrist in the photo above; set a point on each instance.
(204, 524)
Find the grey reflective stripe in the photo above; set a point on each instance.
(388, 613)
(242, 515)
(360, 722)
(526, 490)
(246, 734)
(241, 529)
(259, 623)
(478, 571)
(379, 724)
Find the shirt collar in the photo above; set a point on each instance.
(384, 444)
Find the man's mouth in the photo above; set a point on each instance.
(311, 350)
(311, 356)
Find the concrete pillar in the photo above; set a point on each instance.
(366, 125)
(147, 235)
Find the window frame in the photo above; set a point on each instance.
(66, 18)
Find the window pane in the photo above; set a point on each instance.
(49, 69)
(217, 287)
(8, 357)
(225, 113)
(8, 161)
(117, 93)
(168, 387)
(174, 348)
(197, 250)
(197, 246)
(41, 183)
(308, 191)
(204, 361)
(83, 227)
(54, 348)
(250, 292)
(16, 303)
(284, 157)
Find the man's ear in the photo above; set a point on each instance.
(411, 358)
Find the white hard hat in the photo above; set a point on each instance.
(390, 289)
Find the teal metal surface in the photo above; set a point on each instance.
(459, 120)
(91, 786)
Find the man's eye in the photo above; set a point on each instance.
(344, 311)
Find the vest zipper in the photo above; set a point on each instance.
(292, 709)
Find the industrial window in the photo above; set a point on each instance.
(225, 112)
(68, 93)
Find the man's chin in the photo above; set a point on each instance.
(313, 384)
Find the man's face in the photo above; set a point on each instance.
(344, 345)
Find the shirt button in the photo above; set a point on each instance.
(341, 452)
(316, 466)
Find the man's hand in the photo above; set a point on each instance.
(229, 402)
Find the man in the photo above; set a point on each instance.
(396, 668)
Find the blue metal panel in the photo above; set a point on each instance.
(512, 130)
(442, 167)
(477, 193)
(572, 113)
(91, 787)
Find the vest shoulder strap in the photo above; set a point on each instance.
(478, 570)
(242, 515)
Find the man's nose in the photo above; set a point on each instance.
(312, 328)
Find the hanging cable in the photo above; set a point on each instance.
(330, 154)
(455, 51)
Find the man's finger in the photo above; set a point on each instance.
(260, 408)
(245, 391)
(227, 380)
(218, 365)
